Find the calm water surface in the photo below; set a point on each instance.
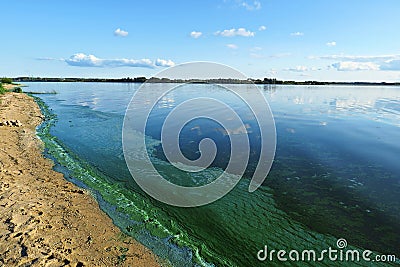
(336, 172)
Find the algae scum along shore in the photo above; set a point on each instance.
(46, 220)
(320, 188)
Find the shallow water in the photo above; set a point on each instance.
(335, 174)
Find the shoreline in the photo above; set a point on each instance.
(264, 81)
(46, 219)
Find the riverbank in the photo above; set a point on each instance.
(46, 220)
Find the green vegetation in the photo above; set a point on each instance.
(6, 80)
(17, 90)
(2, 89)
(121, 259)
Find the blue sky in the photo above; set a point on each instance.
(341, 40)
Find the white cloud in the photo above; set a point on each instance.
(249, 5)
(331, 44)
(297, 34)
(232, 46)
(121, 33)
(83, 60)
(297, 69)
(262, 28)
(235, 32)
(355, 66)
(356, 63)
(195, 34)
(256, 5)
(381, 58)
(164, 63)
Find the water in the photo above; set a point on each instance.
(335, 174)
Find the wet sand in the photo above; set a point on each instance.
(44, 219)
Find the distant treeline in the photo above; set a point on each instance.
(217, 81)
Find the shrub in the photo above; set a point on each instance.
(17, 90)
(6, 80)
(2, 89)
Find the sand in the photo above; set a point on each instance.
(44, 219)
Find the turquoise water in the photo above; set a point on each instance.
(335, 174)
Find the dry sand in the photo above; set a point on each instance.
(44, 219)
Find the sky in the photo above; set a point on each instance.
(341, 40)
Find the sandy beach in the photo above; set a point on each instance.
(44, 219)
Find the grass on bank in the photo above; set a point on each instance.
(4, 80)
(2, 89)
(15, 89)
(8, 81)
